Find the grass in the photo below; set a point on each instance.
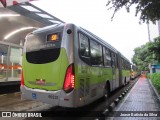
(155, 78)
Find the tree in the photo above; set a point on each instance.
(149, 9)
(143, 56)
(155, 48)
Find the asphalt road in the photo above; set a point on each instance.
(13, 102)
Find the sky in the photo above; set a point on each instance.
(124, 33)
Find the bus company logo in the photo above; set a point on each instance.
(40, 81)
(6, 114)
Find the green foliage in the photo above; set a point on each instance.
(143, 56)
(155, 78)
(155, 48)
(149, 9)
(147, 54)
(148, 75)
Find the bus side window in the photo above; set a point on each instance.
(96, 53)
(84, 45)
(115, 60)
(107, 57)
(122, 63)
(84, 48)
(113, 63)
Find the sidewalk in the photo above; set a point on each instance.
(141, 103)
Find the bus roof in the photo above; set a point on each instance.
(101, 40)
(46, 28)
(87, 32)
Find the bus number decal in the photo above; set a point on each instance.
(52, 97)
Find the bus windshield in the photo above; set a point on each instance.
(43, 47)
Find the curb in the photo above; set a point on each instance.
(111, 106)
(10, 87)
(116, 101)
(154, 89)
(106, 112)
(120, 97)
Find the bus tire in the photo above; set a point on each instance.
(124, 84)
(107, 90)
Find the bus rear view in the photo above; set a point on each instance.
(48, 71)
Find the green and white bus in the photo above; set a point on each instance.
(66, 65)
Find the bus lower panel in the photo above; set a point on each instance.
(55, 98)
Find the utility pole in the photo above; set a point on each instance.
(159, 27)
(149, 38)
